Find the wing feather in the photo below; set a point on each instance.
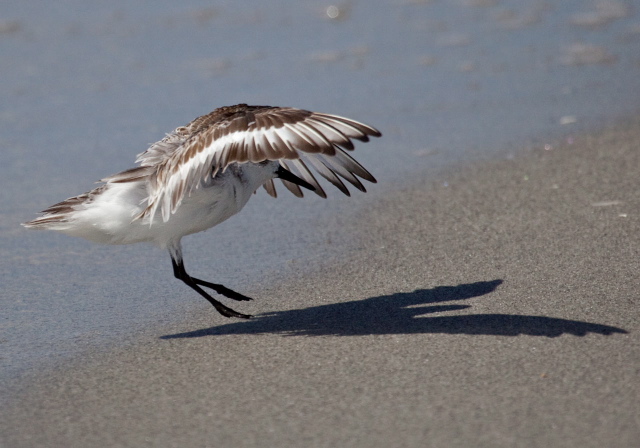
(328, 174)
(333, 134)
(308, 176)
(298, 139)
(271, 188)
(350, 128)
(343, 172)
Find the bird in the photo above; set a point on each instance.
(203, 173)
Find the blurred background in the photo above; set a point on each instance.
(87, 85)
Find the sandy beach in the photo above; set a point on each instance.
(483, 293)
(495, 305)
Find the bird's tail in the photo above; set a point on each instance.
(57, 217)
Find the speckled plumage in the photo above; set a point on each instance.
(205, 172)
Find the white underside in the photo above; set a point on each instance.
(109, 218)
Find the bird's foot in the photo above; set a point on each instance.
(223, 290)
(228, 312)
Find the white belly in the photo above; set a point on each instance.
(109, 218)
(205, 208)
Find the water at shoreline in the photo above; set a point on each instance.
(89, 86)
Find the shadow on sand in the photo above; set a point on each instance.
(402, 313)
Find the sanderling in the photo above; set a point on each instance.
(205, 172)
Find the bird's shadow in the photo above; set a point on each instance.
(404, 313)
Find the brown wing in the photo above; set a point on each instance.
(300, 140)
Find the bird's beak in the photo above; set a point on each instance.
(287, 175)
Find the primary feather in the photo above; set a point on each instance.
(239, 134)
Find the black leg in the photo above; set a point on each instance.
(180, 273)
(220, 289)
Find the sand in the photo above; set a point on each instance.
(495, 305)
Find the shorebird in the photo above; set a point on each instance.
(203, 173)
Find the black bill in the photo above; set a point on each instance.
(287, 175)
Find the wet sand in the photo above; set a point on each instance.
(493, 306)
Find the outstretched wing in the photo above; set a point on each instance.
(298, 139)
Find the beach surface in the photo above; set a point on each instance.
(91, 84)
(482, 293)
(495, 304)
